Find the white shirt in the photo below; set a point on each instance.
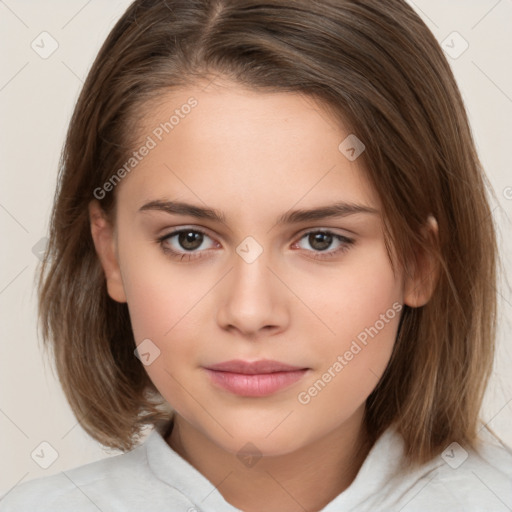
(153, 477)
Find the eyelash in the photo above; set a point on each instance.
(188, 256)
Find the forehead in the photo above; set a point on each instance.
(228, 146)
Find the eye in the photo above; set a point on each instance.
(185, 243)
(321, 240)
(190, 243)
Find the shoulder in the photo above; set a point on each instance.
(79, 489)
(459, 479)
(480, 479)
(465, 479)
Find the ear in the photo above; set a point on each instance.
(422, 273)
(105, 243)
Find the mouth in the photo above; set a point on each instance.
(254, 379)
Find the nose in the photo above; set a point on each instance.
(253, 302)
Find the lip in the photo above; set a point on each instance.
(253, 367)
(256, 378)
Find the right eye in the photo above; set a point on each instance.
(185, 243)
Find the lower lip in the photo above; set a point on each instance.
(262, 384)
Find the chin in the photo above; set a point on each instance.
(251, 437)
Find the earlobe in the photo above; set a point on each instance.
(102, 233)
(420, 281)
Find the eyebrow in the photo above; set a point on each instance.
(336, 210)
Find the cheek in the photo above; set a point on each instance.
(162, 303)
(161, 296)
(354, 296)
(352, 366)
(361, 308)
(168, 304)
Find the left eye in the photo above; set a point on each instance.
(321, 241)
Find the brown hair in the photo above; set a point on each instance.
(376, 64)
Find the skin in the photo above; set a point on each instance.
(254, 156)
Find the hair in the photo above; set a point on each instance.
(378, 67)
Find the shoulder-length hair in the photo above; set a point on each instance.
(376, 65)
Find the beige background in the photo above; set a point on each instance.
(36, 100)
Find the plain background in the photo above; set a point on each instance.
(37, 96)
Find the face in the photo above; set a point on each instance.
(221, 267)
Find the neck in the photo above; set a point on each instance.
(306, 479)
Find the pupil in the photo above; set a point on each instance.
(320, 241)
(190, 240)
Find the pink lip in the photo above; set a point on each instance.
(258, 378)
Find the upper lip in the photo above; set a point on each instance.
(254, 367)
